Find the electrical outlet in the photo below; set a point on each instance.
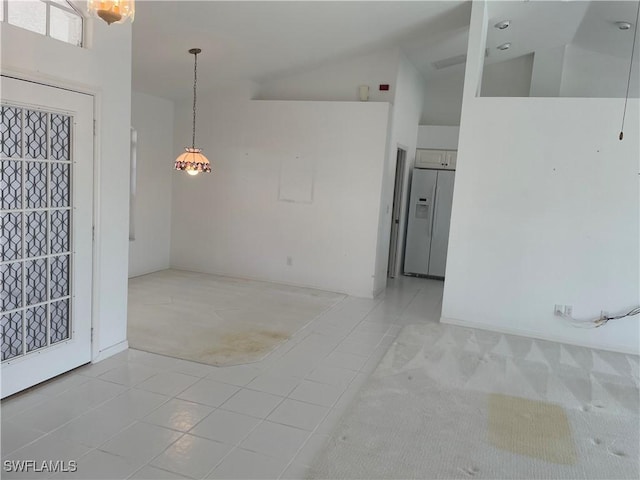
(558, 310)
(568, 310)
(290, 261)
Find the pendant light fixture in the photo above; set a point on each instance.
(627, 26)
(112, 11)
(193, 161)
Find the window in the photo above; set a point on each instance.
(54, 18)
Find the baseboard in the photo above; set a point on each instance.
(220, 273)
(379, 292)
(537, 335)
(145, 272)
(111, 351)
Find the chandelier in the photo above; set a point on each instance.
(112, 11)
(193, 161)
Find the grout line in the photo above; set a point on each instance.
(316, 362)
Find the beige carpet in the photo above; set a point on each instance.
(217, 320)
(451, 402)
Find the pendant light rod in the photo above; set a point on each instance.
(633, 48)
(193, 161)
(194, 52)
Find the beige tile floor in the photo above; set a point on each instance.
(144, 416)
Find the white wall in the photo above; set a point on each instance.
(546, 74)
(104, 67)
(406, 112)
(152, 117)
(438, 137)
(232, 221)
(545, 212)
(443, 98)
(338, 80)
(591, 74)
(511, 78)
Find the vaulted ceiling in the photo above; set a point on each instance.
(264, 40)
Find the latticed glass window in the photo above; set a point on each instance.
(54, 18)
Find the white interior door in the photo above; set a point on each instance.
(398, 193)
(46, 204)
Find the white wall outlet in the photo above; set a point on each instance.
(289, 261)
(558, 310)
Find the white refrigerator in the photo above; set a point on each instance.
(428, 223)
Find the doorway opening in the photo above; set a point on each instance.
(398, 193)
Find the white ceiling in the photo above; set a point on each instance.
(264, 40)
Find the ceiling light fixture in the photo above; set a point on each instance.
(112, 11)
(504, 46)
(623, 25)
(503, 24)
(193, 161)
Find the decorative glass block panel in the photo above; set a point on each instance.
(10, 236)
(65, 26)
(59, 231)
(10, 132)
(60, 137)
(11, 326)
(35, 234)
(10, 184)
(36, 318)
(10, 286)
(59, 278)
(59, 312)
(60, 191)
(35, 281)
(35, 134)
(35, 184)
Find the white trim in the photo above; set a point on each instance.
(220, 273)
(50, 81)
(95, 280)
(528, 334)
(379, 292)
(111, 351)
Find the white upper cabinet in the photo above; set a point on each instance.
(440, 159)
(452, 158)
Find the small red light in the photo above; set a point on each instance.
(384, 86)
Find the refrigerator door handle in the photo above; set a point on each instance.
(433, 201)
(435, 207)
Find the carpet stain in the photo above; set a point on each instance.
(530, 427)
(245, 343)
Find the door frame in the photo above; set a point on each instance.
(396, 212)
(96, 93)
